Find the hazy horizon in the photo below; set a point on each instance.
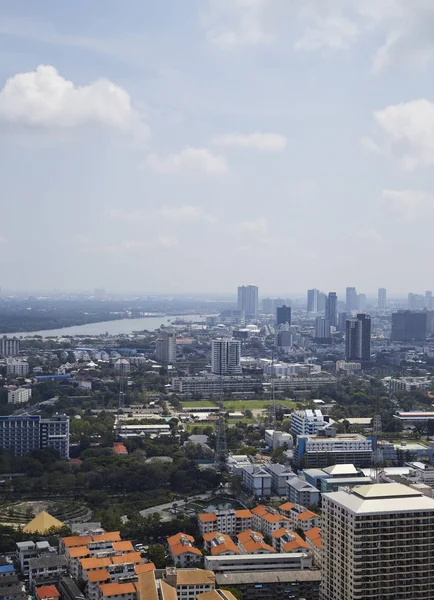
(205, 144)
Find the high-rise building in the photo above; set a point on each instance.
(284, 338)
(165, 347)
(267, 306)
(312, 301)
(358, 338)
(283, 315)
(248, 300)
(322, 330)
(342, 321)
(382, 298)
(26, 433)
(361, 302)
(429, 300)
(374, 543)
(351, 299)
(322, 298)
(416, 301)
(225, 356)
(409, 326)
(9, 346)
(332, 308)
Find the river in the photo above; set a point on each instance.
(117, 327)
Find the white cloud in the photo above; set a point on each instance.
(268, 142)
(198, 160)
(43, 98)
(408, 204)
(257, 226)
(244, 22)
(186, 213)
(370, 144)
(335, 32)
(409, 131)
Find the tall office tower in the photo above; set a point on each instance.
(382, 298)
(322, 330)
(284, 337)
(430, 323)
(248, 300)
(225, 356)
(429, 304)
(54, 433)
(321, 302)
(312, 301)
(283, 315)
(267, 306)
(351, 299)
(358, 338)
(332, 309)
(361, 302)
(342, 321)
(165, 347)
(416, 301)
(9, 346)
(375, 541)
(409, 326)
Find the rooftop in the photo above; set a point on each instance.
(194, 577)
(117, 589)
(47, 591)
(264, 577)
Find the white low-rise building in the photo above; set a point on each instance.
(279, 476)
(277, 439)
(257, 480)
(307, 422)
(259, 562)
(19, 396)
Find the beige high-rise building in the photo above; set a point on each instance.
(165, 346)
(378, 544)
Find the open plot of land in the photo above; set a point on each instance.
(235, 405)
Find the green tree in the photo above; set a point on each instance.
(157, 555)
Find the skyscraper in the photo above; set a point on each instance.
(165, 349)
(374, 543)
(312, 301)
(361, 302)
(331, 308)
(382, 298)
(409, 326)
(322, 330)
(342, 321)
(9, 346)
(416, 301)
(351, 299)
(283, 315)
(225, 356)
(358, 338)
(321, 302)
(248, 300)
(429, 304)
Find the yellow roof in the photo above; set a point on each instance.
(42, 523)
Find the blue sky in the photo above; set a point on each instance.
(194, 145)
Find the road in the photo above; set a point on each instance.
(163, 509)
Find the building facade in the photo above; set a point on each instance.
(283, 315)
(225, 356)
(409, 326)
(382, 298)
(23, 434)
(358, 338)
(165, 347)
(19, 396)
(9, 346)
(332, 309)
(248, 300)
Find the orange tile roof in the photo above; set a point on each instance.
(243, 514)
(259, 510)
(252, 546)
(95, 563)
(313, 533)
(109, 536)
(207, 517)
(228, 546)
(279, 532)
(98, 575)
(295, 544)
(47, 591)
(307, 514)
(76, 540)
(78, 551)
(117, 589)
(144, 568)
(210, 536)
(179, 549)
(287, 506)
(120, 448)
(129, 557)
(246, 535)
(125, 546)
(175, 539)
(270, 518)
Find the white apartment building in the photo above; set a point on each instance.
(301, 492)
(225, 356)
(9, 346)
(276, 439)
(316, 451)
(267, 520)
(20, 368)
(19, 396)
(256, 480)
(131, 431)
(377, 543)
(211, 385)
(279, 476)
(348, 367)
(228, 522)
(307, 422)
(188, 583)
(165, 347)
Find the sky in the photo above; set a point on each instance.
(180, 146)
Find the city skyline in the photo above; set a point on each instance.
(158, 130)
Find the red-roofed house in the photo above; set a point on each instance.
(47, 592)
(183, 553)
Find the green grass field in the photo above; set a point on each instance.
(235, 405)
(193, 403)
